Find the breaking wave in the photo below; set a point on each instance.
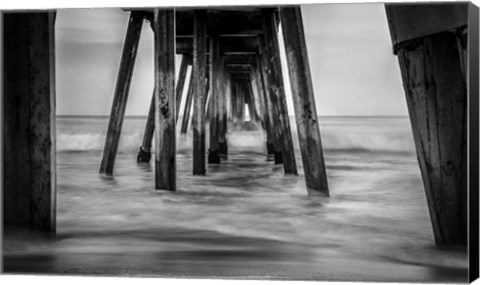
(335, 140)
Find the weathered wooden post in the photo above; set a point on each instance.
(215, 86)
(249, 102)
(188, 107)
(199, 89)
(144, 153)
(257, 83)
(29, 174)
(241, 104)
(165, 106)
(255, 100)
(472, 74)
(235, 102)
(222, 87)
(426, 39)
(122, 88)
(271, 111)
(276, 89)
(229, 99)
(238, 105)
(209, 109)
(304, 100)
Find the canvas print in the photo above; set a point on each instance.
(324, 142)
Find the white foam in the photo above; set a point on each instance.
(339, 136)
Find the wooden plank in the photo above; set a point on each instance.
(188, 107)
(120, 97)
(165, 106)
(240, 78)
(436, 94)
(144, 154)
(304, 101)
(235, 59)
(276, 90)
(239, 68)
(227, 21)
(236, 45)
(29, 172)
(239, 58)
(186, 59)
(199, 90)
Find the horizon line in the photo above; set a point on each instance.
(145, 116)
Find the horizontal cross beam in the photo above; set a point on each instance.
(228, 45)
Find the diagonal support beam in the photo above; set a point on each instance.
(304, 101)
(276, 89)
(430, 56)
(122, 88)
(144, 152)
(187, 107)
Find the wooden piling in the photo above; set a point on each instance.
(165, 106)
(199, 89)
(241, 104)
(276, 89)
(187, 107)
(216, 85)
(213, 151)
(249, 102)
(256, 100)
(29, 155)
(436, 92)
(258, 86)
(228, 98)
(304, 101)
(144, 154)
(122, 88)
(234, 102)
(275, 146)
(272, 111)
(222, 85)
(209, 109)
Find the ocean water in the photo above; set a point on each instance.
(245, 218)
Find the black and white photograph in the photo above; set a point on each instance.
(309, 141)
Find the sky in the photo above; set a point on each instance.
(354, 71)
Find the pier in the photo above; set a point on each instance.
(234, 55)
(235, 58)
